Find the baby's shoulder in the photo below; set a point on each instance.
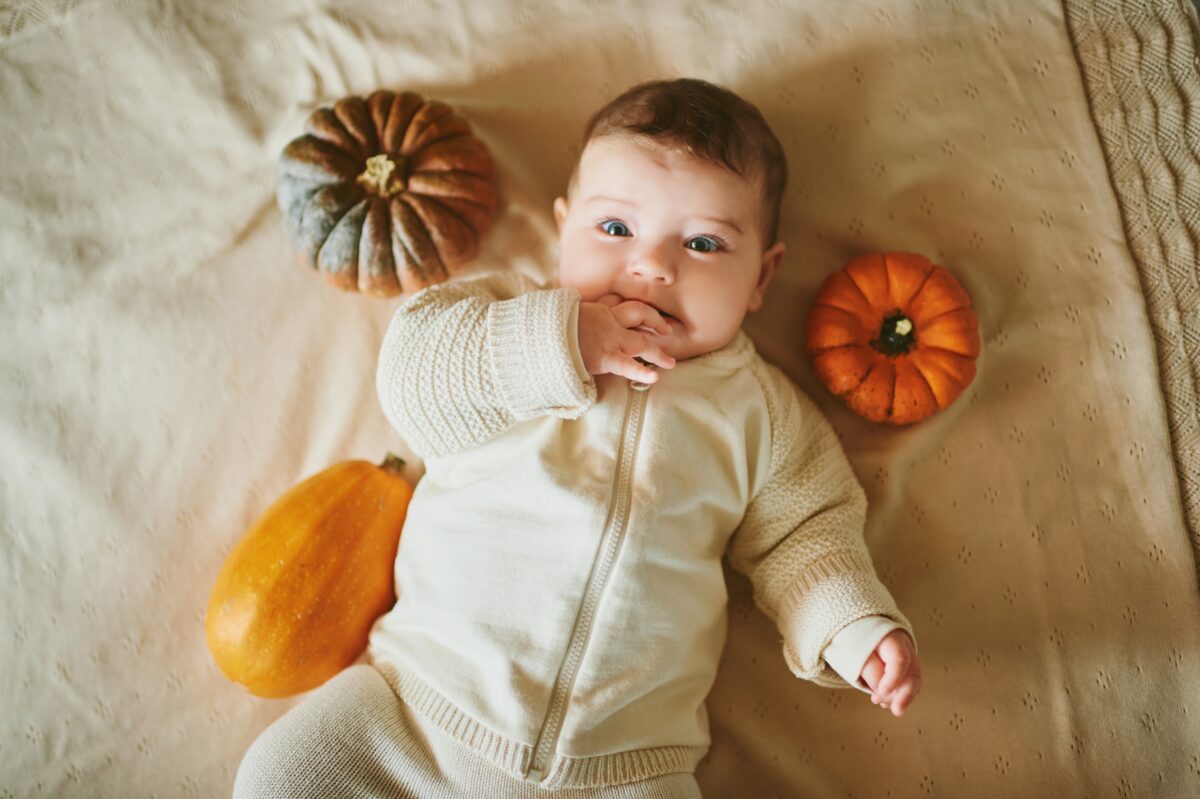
(777, 386)
(787, 403)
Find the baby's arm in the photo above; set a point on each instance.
(800, 541)
(465, 360)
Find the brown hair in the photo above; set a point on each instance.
(707, 122)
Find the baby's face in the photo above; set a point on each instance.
(657, 225)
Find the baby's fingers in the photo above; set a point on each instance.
(872, 671)
(906, 693)
(640, 345)
(898, 658)
(632, 314)
(618, 363)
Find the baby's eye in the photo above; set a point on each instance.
(708, 244)
(614, 227)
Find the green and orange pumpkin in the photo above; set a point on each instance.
(386, 194)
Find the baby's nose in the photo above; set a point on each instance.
(654, 263)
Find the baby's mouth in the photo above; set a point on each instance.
(661, 312)
(670, 320)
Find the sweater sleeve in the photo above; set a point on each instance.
(465, 360)
(801, 539)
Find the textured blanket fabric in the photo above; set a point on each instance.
(167, 370)
(1142, 75)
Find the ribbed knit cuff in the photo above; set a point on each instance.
(530, 342)
(827, 596)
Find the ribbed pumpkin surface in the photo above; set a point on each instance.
(894, 336)
(386, 194)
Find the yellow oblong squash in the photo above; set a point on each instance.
(295, 599)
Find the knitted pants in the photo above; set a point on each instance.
(354, 738)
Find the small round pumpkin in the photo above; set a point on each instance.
(894, 336)
(386, 194)
(294, 601)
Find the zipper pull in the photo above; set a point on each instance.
(638, 385)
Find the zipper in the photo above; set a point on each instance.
(610, 544)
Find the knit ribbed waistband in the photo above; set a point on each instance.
(514, 757)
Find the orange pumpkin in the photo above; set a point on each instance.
(295, 600)
(894, 336)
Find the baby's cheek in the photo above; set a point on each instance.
(589, 291)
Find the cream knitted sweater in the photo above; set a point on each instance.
(561, 603)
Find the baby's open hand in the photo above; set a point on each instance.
(893, 672)
(609, 341)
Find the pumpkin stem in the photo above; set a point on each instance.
(897, 336)
(384, 176)
(393, 463)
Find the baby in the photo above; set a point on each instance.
(593, 448)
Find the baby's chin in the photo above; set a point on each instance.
(678, 344)
(681, 345)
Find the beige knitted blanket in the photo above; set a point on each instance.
(166, 370)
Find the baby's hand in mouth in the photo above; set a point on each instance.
(646, 324)
(652, 327)
(609, 344)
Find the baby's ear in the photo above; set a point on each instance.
(560, 211)
(770, 262)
